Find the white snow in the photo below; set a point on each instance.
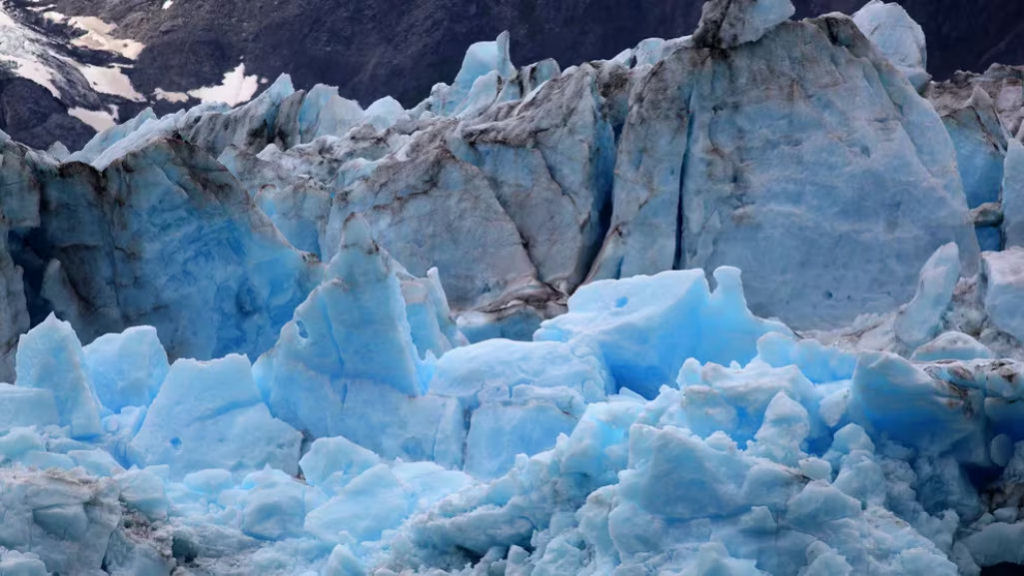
(98, 119)
(34, 70)
(172, 97)
(110, 81)
(98, 36)
(236, 88)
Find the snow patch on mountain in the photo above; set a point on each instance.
(237, 88)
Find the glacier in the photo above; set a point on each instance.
(506, 331)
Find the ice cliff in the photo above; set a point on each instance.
(240, 339)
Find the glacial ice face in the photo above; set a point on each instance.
(701, 192)
(521, 183)
(226, 283)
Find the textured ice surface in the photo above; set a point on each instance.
(277, 301)
(658, 426)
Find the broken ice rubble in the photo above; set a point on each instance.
(658, 425)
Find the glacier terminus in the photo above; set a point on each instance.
(744, 302)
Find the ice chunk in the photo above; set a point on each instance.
(210, 415)
(63, 519)
(430, 319)
(921, 319)
(323, 112)
(50, 358)
(819, 503)
(735, 401)
(347, 364)
(729, 23)
(951, 346)
(126, 369)
(18, 442)
(210, 482)
(518, 396)
(20, 406)
(645, 327)
(1004, 296)
(111, 136)
(384, 113)
(392, 493)
(898, 37)
(96, 462)
(275, 505)
(143, 491)
(892, 396)
(819, 363)
(334, 461)
(705, 476)
(483, 61)
(786, 427)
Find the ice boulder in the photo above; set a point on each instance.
(898, 37)
(646, 327)
(210, 415)
(126, 369)
(50, 358)
(729, 23)
(1004, 296)
(920, 320)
